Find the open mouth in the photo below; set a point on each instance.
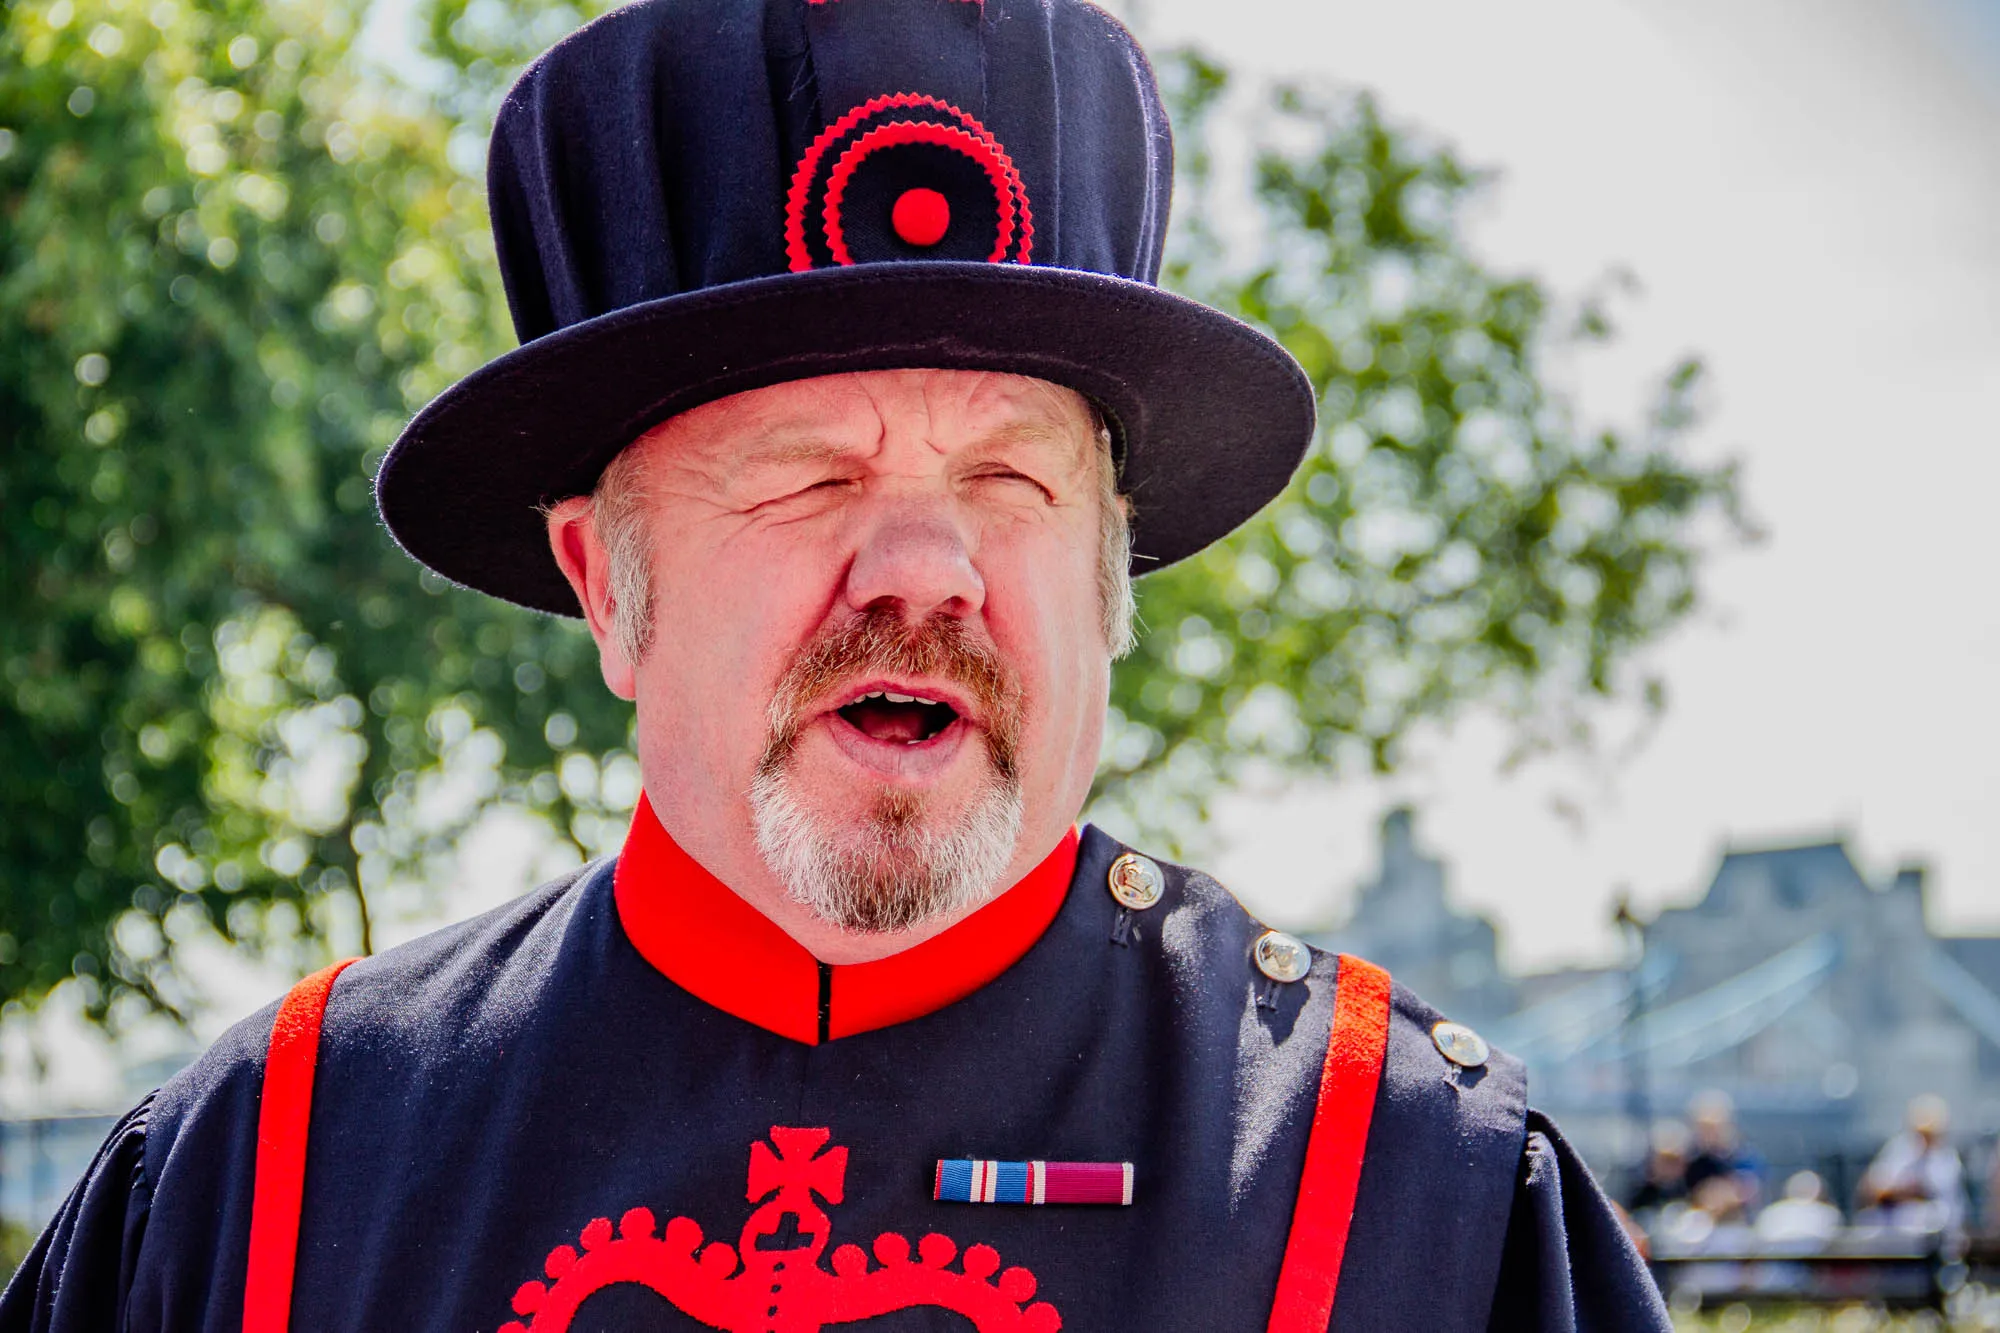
(898, 719)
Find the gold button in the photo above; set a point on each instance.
(1136, 882)
(1282, 958)
(1460, 1044)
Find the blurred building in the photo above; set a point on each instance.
(1819, 1001)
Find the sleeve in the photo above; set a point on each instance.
(79, 1274)
(1567, 1264)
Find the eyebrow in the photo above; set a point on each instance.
(1059, 438)
(1029, 432)
(784, 443)
(784, 446)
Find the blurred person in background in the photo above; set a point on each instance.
(1917, 1182)
(1802, 1217)
(1719, 1184)
(1722, 1175)
(1663, 1183)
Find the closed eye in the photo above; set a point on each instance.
(1009, 475)
(817, 490)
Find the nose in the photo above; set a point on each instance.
(915, 556)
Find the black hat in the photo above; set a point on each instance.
(693, 198)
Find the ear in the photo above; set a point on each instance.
(582, 559)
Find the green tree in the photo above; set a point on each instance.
(230, 267)
(233, 261)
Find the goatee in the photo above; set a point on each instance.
(895, 869)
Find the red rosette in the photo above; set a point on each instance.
(816, 232)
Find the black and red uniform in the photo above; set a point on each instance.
(627, 1101)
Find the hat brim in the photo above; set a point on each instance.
(1211, 415)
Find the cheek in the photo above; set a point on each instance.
(1042, 606)
(730, 619)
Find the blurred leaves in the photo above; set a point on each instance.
(234, 260)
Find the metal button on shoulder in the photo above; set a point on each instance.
(1281, 957)
(1460, 1044)
(1136, 882)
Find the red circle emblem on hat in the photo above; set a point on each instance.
(921, 216)
(906, 176)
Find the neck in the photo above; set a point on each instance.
(735, 861)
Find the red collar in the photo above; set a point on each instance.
(714, 945)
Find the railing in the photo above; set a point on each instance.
(1876, 1266)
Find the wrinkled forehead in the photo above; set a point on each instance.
(850, 415)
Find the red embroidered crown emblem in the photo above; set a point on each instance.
(771, 1281)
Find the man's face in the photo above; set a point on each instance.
(878, 653)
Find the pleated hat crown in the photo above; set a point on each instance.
(682, 144)
(698, 198)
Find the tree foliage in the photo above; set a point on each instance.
(233, 261)
(233, 266)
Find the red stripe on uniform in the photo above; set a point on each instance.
(1332, 1175)
(283, 1117)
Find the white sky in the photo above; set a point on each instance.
(1809, 191)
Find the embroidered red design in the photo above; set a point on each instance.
(815, 228)
(771, 1281)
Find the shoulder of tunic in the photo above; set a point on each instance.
(1445, 1145)
(1204, 931)
(471, 985)
(1452, 1120)
(1482, 1110)
(420, 990)
(194, 1148)
(1437, 1185)
(1202, 940)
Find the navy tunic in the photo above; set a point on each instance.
(520, 1120)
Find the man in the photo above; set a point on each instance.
(845, 396)
(1801, 1221)
(1917, 1182)
(1723, 1176)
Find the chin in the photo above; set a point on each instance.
(901, 860)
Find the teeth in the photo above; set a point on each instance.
(900, 698)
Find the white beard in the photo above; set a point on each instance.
(889, 872)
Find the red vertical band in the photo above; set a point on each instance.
(282, 1120)
(1354, 1052)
